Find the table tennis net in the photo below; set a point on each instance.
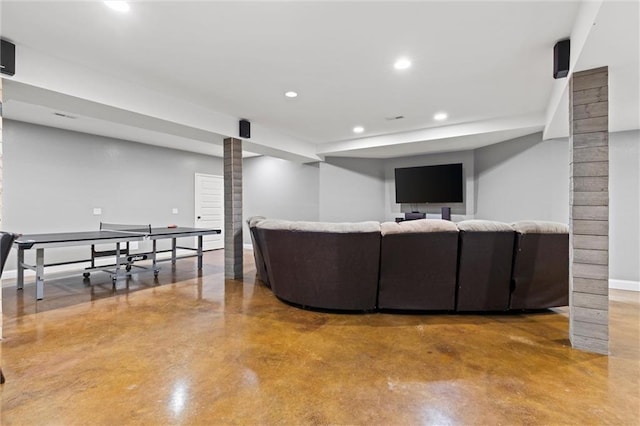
(119, 227)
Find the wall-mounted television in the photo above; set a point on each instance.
(429, 184)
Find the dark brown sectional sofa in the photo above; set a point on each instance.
(420, 265)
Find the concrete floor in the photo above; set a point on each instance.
(202, 350)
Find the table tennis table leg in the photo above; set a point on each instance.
(20, 284)
(199, 251)
(114, 276)
(173, 251)
(156, 270)
(40, 274)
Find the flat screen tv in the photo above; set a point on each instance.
(429, 184)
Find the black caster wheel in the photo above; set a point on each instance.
(86, 274)
(128, 268)
(155, 273)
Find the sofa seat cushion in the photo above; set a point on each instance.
(540, 227)
(417, 226)
(484, 226)
(254, 220)
(325, 227)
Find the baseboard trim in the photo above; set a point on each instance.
(624, 285)
(8, 276)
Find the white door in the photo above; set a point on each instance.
(209, 208)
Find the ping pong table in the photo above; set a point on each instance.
(107, 234)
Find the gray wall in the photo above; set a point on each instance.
(624, 206)
(527, 178)
(280, 189)
(524, 178)
(54, 178)
(459, 211)
(338, 190)
(351, 190)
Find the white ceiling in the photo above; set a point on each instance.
(180, 74)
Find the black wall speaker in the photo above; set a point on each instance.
(245, 129)
(561, 58)
(7, 58)
(446, 213)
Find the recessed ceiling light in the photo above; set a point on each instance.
(402, 64)
(120, 6)
(440, 116)
(358, 129)
(291, 94)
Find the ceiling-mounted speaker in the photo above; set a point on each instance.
(245, 129)
(561, 58)
(7, 57)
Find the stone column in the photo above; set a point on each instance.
(589, 210)
(233, 208)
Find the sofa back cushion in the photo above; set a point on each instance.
(484, 265)
(261, 269)
(540, 277)
(323, 265)
(418, 265)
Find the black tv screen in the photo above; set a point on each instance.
(429, 184)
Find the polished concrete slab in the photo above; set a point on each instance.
(189, 349)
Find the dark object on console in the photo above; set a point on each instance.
(561, 53)
(261, 268)
(540, 277)
(6, 242)
(446, 213)
(7, 57)
(322, 265)
(414, 216)
(484, 265)
(245, 129)
(418, 265)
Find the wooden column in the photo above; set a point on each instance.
(233, 208)
(1, 223)
(1, 196)
(589, 202)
